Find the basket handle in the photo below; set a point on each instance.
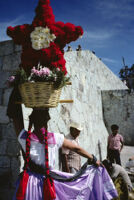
(60, 101)
(66, 101)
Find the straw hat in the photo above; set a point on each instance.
(76, 125)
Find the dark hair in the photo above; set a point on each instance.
(35, 116)
(114, 127)
(107, 164)
(39, 116)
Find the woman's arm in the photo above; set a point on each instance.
(131, 158)
(76, 148)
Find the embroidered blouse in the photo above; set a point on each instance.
(55, 141)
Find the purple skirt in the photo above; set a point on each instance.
(94, 184)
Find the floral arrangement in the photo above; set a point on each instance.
(43, 41)
(39, 74)
(41, 38)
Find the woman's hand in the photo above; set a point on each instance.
(131, 158)
(98, 163)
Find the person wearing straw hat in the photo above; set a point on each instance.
(71, 161)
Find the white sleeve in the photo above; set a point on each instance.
(59, 139)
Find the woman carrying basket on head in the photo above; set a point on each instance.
(40, 181)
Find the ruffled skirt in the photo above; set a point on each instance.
(94, 184)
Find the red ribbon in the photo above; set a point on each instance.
(20, 195)
(49, 189)
(48, 186)
(22, 186)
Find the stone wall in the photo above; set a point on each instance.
(88, 76)
(118, 108)
(9, 147)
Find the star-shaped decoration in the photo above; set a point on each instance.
(36, 47)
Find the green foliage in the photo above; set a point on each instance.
(61, 80)
(20, 76)
(57, 77)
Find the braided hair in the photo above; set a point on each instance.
(39, 119)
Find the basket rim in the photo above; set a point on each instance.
(38, 82)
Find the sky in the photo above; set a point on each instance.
(108, 25)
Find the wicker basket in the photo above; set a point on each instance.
(39, 94)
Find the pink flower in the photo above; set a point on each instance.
(11, 79)
(33, 71)
(37, 73)
(42, 72)
(45, 71)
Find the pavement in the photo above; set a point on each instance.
(126, 153)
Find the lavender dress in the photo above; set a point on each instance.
(94, 184)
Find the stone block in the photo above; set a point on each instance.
(3, 117)
(6, 47)
(4, 162)
(7, 132)
(6, 95)
(17, 48)
(118, 108)
(15, 168)
(11, 62)
(1, 92)
(5, 178)
(1, 62)
(3, 77)
(3, 147)
(13, 148)
(81, 87)
(6, 193)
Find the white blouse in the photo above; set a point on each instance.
(37, 153)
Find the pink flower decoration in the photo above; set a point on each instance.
(42, 72)
(11, 79)
(45, 71)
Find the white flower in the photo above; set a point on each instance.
(38, 29)
(41, 38)
(46, 30)
(36, 45)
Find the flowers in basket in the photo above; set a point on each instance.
(39, 74)
(43, 42)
